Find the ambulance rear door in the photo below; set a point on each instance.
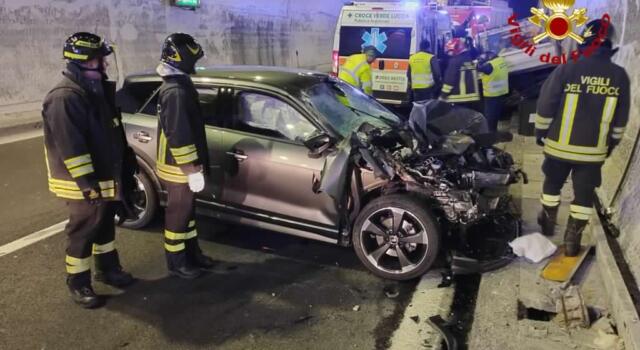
(391, 30)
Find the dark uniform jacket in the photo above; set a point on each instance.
(457, 89)
(182, 138)
(583, 109)
(85, 144)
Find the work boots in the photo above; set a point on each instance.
(195, 256)
(81, 291)
(573, 236)
(109, 271)
(547, 220)
(179, 266)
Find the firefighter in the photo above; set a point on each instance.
(494, 74)
(89, 164)
(357, 69)
(423, 74)
(460, 85)
(182, 158)
(582, 113)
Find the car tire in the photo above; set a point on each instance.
(146, 202)
(401, 252)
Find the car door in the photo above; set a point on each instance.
(267, 168)
(213, 104)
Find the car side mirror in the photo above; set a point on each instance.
(318, 144)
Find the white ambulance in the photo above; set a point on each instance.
(395, 29)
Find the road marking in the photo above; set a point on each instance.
(32, 238)
(428, 300)
(21, 136)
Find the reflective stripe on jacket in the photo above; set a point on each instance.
(583, 108)
(84, 140)
(421, 74)
(497, 83)
(181, 134)
(461, 80)
(357, 72)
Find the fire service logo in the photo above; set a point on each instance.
(558, 26)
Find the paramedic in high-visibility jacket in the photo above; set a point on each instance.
(460, 83)
(494, 74)
(357, 70)
(424, 74)
(582, 113)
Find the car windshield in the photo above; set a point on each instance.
(346, 108)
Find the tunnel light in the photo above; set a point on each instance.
(411, 5)
(189, 4)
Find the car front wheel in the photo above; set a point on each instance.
(396, 237)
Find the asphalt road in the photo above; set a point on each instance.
(269, 291)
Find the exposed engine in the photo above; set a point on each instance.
(466, 177)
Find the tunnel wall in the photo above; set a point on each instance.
(268, 32)
(621, 187)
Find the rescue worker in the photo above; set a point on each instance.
(423, 74)
(89, 164)
(357, 70)
(460, 84)
(494, 74)
(182, 158)
(582, 112)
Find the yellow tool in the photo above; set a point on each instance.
(561, 268)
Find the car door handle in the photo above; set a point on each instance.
(142, 137)
(238, 155)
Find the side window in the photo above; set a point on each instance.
(133, 95)
(209, 106)
(269, 116)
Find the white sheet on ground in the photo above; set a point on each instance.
(534, 247)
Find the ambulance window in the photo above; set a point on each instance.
(390, 42)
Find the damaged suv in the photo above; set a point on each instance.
(305, 154)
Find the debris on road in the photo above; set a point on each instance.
(534, 247)
(356, 308)
(415, 318)
(608, 341)
(391, 291)
(440, 325)
(572, 312)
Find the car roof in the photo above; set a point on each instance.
(289, 79)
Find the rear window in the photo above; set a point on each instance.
(133, 96)
(390, 42)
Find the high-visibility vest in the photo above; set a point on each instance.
(357, 72)
(421, 74)
(496, 83)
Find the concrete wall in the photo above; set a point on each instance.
(269, 32)
(625, 200)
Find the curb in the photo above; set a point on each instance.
(623, 309)
(20, 128)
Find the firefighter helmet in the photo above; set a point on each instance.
(82, 47)
(598, 29)
(181, 51)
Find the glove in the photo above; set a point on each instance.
(92, 196)
(124, 211)
(196, 181)
(540, 136)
